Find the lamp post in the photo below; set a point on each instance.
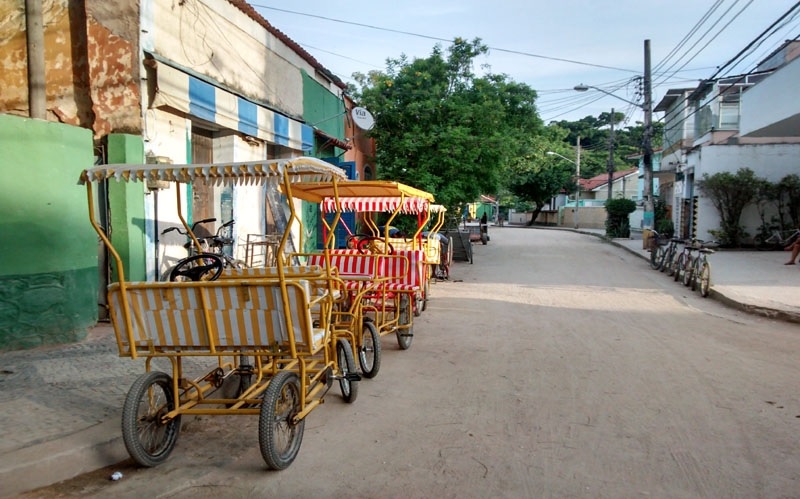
(577, 176)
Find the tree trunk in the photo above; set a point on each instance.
(534, 217)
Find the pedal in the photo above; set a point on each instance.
(352, 377)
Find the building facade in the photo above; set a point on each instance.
(196, 81)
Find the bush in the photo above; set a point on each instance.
(617, 223)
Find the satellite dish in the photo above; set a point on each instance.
(362, 118)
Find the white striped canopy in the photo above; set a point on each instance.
(303, 169)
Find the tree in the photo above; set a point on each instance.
(440, 128)
(730, 194)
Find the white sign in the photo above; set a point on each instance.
(362, 118)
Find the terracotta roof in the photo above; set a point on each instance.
(254, 15)
(590, 184)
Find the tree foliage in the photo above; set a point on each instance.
(441, 128)
(594, 135)
(534, 177)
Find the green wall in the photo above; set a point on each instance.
(48, 273)
(126, 202)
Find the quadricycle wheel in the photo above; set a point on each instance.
(405, 335)
(347, 368)
(279, 434)
(148, 437)
(369, 351)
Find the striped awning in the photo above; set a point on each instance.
(192, 93)
(303, 169)
(410, 205)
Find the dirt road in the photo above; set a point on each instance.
(555, 366)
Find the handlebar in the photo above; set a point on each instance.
(194, 226)
(214, 241)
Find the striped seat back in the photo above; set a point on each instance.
(301, 271)
(348, 263)
(169, 317)
(404, 269)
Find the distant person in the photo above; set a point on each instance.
(484, 219)
(795, 249)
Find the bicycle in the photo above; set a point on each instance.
(684, 259)
(210, 261)
(701, 270)
(656, 250)
(690, 265)
(669, 256)
(778, 240)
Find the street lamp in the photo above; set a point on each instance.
(577, 177)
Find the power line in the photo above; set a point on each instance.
(440, 39)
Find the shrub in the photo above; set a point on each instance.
(617, 223)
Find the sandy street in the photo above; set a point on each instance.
(556, 365)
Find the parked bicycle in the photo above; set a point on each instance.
(777, 240)
(210, 261)
(683, 262)
(657, 249)
(700, 272)
(669, 255)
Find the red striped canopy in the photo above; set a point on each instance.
(410, 205)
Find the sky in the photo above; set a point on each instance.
(550, 45)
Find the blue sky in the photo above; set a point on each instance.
(604, 40)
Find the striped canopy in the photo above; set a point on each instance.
(303, 169)
(410, 205)
(318, 192)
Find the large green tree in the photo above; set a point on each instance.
(441, 128)
(535, 177)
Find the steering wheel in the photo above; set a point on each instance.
(202, 267)
(372, 244)
(352, 240)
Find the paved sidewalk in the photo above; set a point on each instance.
(60, 406)
(754, 281)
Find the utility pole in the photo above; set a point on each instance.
(577, 178)
(37, 94)
(610, 165)
(647, 191)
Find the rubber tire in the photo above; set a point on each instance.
(688, 272)
(705, 279)
(426, 290)
(680, 262)
(404, 336)
(136, 425)
(656, 255)
(449, 257)
(347, 364)
(274, 421)
(762, 245)
(666, 259)
(369, 353)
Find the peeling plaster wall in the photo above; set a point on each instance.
(91, 72)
